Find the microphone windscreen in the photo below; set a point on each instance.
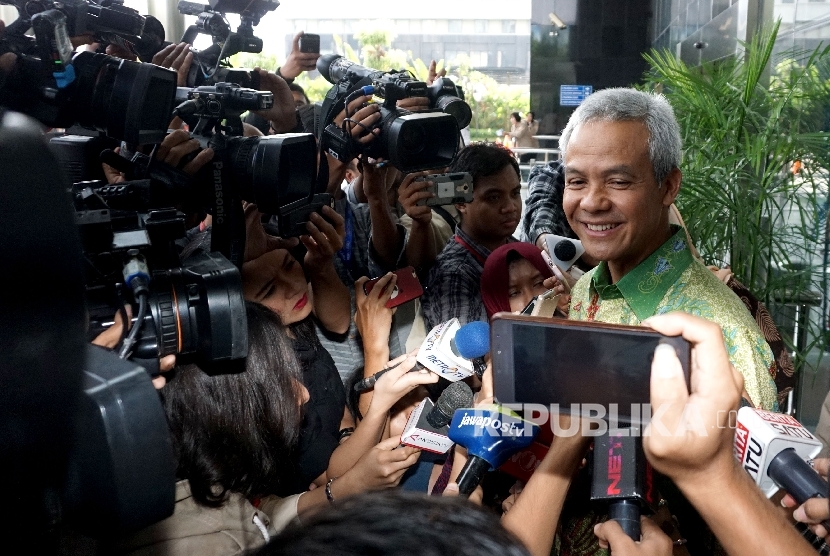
(473, 340)
(455, 396)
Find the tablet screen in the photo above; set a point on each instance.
(562, 362)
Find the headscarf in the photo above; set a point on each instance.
(495, 279)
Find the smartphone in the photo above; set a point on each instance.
(558, 361)
(543, 305)
(449, 189)
(407, 287)
(310, 43)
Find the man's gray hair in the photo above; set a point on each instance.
(619, 104)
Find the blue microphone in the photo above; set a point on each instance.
(491, 435)
(473, 342)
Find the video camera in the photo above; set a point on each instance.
(126, 100)
(409, 141)
(210, 65)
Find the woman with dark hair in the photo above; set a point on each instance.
(278, 281)
(233, 435)
(514, 274)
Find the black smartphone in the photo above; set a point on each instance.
(310, 43)
(557, 361)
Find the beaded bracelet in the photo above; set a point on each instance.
(329, 496)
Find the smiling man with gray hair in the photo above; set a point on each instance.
(621, 151)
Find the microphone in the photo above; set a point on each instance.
(438, 353)
(490, 435)
(563, 251)
(774, 449)
(427, 425)
(623, 477)
(473, 342)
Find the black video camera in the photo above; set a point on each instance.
(126, 100)
(192, 307)
(409, 141)
(277, 172)
(210, 66)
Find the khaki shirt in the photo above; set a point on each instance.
(236, 527)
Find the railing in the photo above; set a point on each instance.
(546, 155)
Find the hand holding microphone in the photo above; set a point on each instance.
(450, 350)
(815, 511)
(397, 382)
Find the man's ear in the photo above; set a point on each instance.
(461, 208)
(671, 186)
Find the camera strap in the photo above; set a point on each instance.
(476, 255)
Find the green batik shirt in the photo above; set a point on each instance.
(671, 279)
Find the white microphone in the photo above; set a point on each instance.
(563, 251)
(439, 354)
(775, 449)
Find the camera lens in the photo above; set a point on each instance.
(456, 108)
(421, 141)
(199, 309)
(413, 139)
(126, 100)
(275, 170)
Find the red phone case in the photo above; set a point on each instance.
(408, 287)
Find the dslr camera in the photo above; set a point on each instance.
(409, 141)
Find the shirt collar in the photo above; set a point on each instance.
(645, 286)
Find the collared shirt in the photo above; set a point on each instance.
(543, 209)
(453, 286)
(670, 279)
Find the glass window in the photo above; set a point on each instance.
(508, 26)
(455, 26)
(478, 59)
(481, 26)
(429, 26)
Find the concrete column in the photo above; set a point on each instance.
(166, 12)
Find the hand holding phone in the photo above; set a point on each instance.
(405, 289)
(310, 43)
(564, 278)
(543, 305)
(557, 361)
(449, 189)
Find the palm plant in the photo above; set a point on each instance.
(744, 130)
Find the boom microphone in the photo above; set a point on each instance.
(772, 448)
(490, 435)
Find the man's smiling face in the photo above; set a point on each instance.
(612, 199)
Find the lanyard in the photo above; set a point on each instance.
(476, 255)
(345, 253)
